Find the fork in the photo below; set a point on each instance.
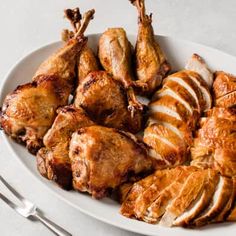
(30, 210)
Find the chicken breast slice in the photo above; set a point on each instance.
(174, 108)
(197, 64)
(188, 194)
(166, 144)
(201, 202)
(220, 198)
(206, 94)
(157, 207)
(187, 83)
(177, 126)
(229, 206)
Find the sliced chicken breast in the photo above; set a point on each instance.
(164, 198)
(177, 126)
(197, 64)
(127, 207)
(177, 91)
(148, 196)
(229, 206)
(184, 81)
(187, 196)
(166, 144)
(211, 181)
(203, 88)
(174, 108)
(220, 198)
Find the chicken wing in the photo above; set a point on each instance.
(103, 158)
(151, 64)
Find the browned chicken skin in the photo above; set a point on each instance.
(105, 100)
(151, 64)
(86, 60)
(114, 51)
(29, 111)
(215, 144)
(102, 158)
(53, 159)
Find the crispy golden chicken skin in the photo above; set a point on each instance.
(151, 64)
(53, 160)
(103, 158)
(105, 100)
(86, 60)
(86, 63)
(115, 54)
(29, 111)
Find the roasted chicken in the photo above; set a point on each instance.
(86, 60)
(103, 158)
(224, 89)
(53, 160)
(174, 112)
(29, 111)
(150, 62)
(105, 100)
(215, 144)
(114, 51)
(182, 196)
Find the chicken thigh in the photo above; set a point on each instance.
(103, 158)
(53, 160)
(105, 100)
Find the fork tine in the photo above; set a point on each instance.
(8, 201)
(14, 192)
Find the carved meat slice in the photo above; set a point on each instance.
(202, 201)
(191, 190)
(166, 144)
(174, 108)
(203, 88)
(197, 64)
(164, 197)
(177, 126)
(189, 85)
(220, 198)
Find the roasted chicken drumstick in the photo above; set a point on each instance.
(151, 64)
(86, 60)
(29, 111)
(114, 51)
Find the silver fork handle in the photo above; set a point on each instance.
(56, 229)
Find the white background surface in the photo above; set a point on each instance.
(28, 24)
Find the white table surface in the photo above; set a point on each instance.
(28, 24)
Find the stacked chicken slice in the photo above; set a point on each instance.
(182, 196)
(175, 110)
